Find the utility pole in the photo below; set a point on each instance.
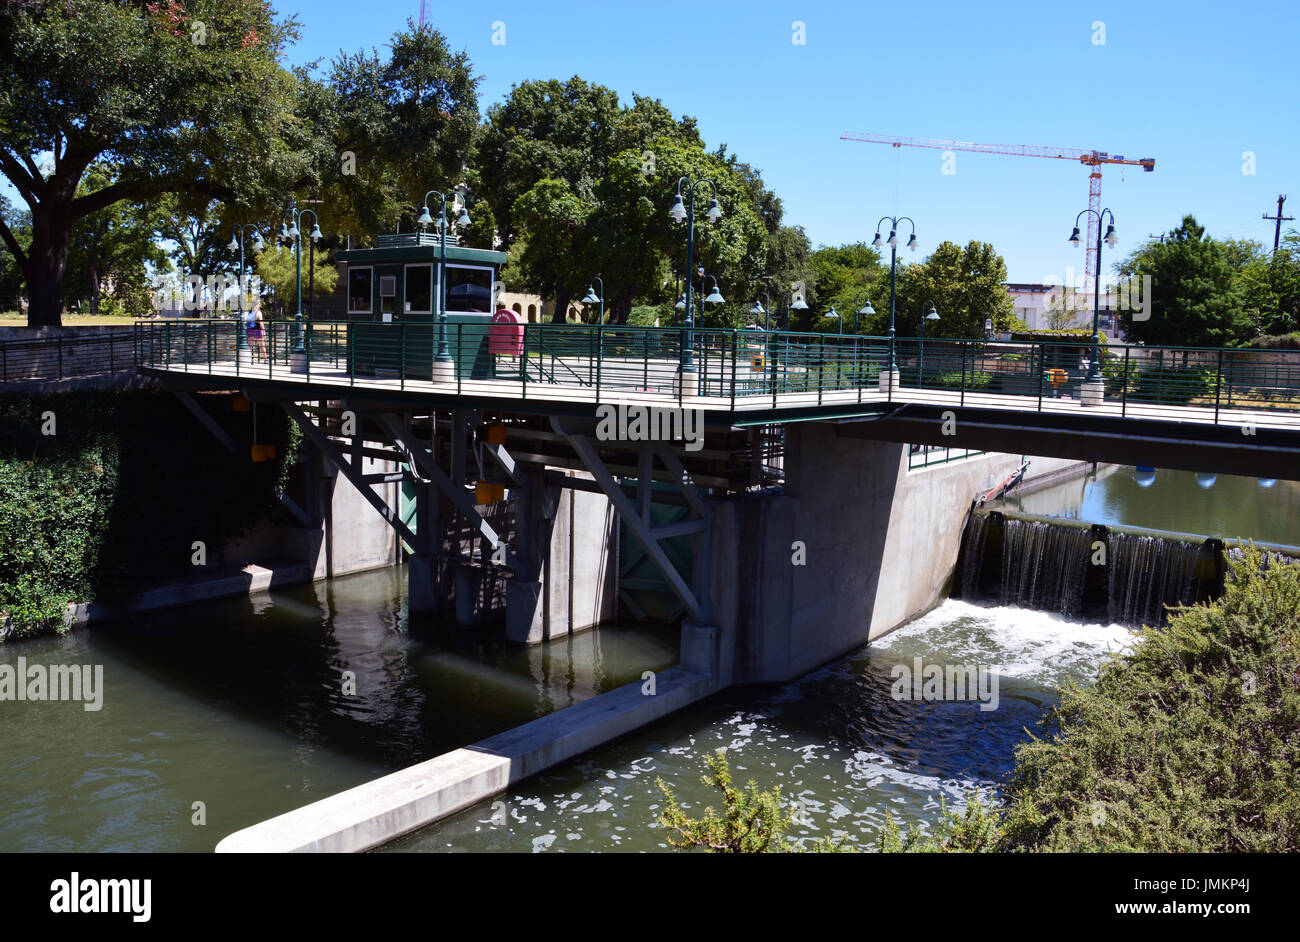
(1279, 219)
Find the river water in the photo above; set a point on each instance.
(239, 704)
(1225, 506)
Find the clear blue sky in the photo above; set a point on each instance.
(1193, 85)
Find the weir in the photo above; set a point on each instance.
(1125, 575)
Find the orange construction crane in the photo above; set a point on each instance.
(1089, 158)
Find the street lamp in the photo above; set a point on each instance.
(593, 298)
(836, 314)
(893, 274)
(932, 314)
(444, 368)
(758, 309)
(794, 304)
(1094, 377)
(237, 242)
(290, 235)
(684, 210)
(866, 310)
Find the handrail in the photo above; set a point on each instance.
(1224, 385)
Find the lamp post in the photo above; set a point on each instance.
(758, 309)
(931, 314)
(237, 242)
(291, 235)
(836, 314)
(893, 276)
(866, 310)
(1094, 395)
(685, 210)
(793, 304)
(444, 368)
(593, 298)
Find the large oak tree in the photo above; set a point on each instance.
(178, 98)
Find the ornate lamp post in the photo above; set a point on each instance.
(840, 320)
(237, 242)
(684, 210)
(593, 298)
(444, 368)
(931, 314)
(291, 235)
(758, 309)
(893, 277)
(1093, 384)
(865, 310)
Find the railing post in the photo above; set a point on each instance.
(821, 366)
(1123, 390)
(523, 366)
(600, 356)
(401, 376)
(460, 347)
(645, 358)
(734, 341)
(1040, 355)
(1218, 386)
(961, 384)
(857, 365)
(59, 340)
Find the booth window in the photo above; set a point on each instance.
(469, 289)
(419, 289)
(360, 282)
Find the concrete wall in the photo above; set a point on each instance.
(879, 545)
(575, 550)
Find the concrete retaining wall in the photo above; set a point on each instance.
(855, 546)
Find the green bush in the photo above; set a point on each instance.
(112, 502)
(1189, 742)
(1170, 384)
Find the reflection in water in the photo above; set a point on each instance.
(835, 739)
(1229, 507)
(247, 706)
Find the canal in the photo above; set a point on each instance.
(242, 705)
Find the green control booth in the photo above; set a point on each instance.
(392, 303)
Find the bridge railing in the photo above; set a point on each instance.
(745, 366)
(66, 355)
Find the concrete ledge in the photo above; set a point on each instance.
(379, 811)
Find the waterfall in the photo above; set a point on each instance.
(1051, 567)
(1147, 573)
(1044, 566)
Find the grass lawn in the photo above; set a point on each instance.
(16, 319)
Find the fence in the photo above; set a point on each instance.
(745, 366)
(73, 354)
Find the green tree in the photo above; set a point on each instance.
(384, 130)
(179, 98)
(967, 286)
(112, 246)
(848, 276)
(278, 269)
(1196, 299)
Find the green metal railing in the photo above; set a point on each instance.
(748, 367)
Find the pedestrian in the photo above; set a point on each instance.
(257, 330)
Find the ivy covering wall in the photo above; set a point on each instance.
(112, 502)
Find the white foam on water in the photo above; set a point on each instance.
(1024, 643)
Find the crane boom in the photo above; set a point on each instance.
(1089, 158)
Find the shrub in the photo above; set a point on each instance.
(1188, 742)
(752, 821)
(1170, 384)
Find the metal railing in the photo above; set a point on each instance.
(71, 355)
(745, 367)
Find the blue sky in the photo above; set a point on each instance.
(1193, 85)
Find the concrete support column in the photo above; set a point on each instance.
(701, 649)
